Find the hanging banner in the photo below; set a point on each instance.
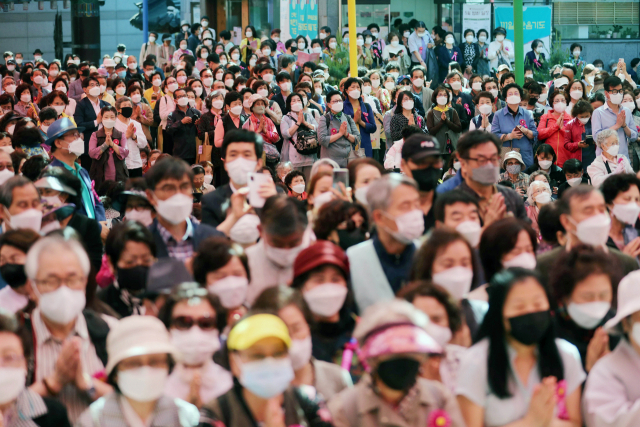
(303, 19)
(476, 17)
(284, 19)
(536, 23)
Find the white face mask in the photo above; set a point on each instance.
(235, 56)
(172, 87)
(513, 100)
(594, 230)
(485, 109)
(494, 92)
(588, 315)
(456, 85)
(176, 208)
(232, 291)
(471, 231)
(576, 94)
(25, 98)
(543, 198)
(298, 188)
(456, 280)
(449, 40)
(545, 164)
(180, 79)
(12, 382)
(237, 110)
(282, 257)
(94, 91)
(418, 82)
(500, 37)
(218, 104)
(525, 260)
(300, 352)
(574, 181)
(263, 93)
(38, 80)
(635, 333)
(59, 108)
(469, 38)
(143, 216)
(389, 85)
(375, 83)
(143, 384)
(240, 168)
(327, 299)
(616, 99)
(183, 102)
(406, 34)
(559, 107)
(627, 213)
(359, 42)
(156, 82)
(333, 45)
(337, 107)
(613, 150)
(441, 334)
(296, 107)
(204, 54)
(476, 86)
(354, 94)
(630, 105)
(410, 226)
(366, 90)
(245, 230)
(30, 219)
(542, 98)
(482, 39)
(408, 105)
(62, 305)
(108, 123)
(10, 89)
(207, 81)
(136, 98)
(195, 345)
(321, 199)
(6, 175)
(121, 90)
(442, 100)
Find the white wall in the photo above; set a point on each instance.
(115, 27)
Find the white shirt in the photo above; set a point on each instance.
(598, 171)
(96, 108)
(11, 300)
(133, 160)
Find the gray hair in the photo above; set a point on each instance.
(51, 244)
(6, 190)
(122, 100)
(283, 165)
(316, 166)
(538, 173)
(380, 191)
(604, 135)
(533, 186)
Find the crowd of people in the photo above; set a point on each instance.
(219, 235)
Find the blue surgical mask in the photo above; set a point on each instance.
(268, 377)
(122, 74)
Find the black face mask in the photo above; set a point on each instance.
(530, 328)
(14, 275)
(350, 238)
(293, 49)
(426, 178)
(27, 78)
(133, 279)
(532, 101)
(85, 72)
(399, 374)
(126, 112)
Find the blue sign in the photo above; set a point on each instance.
(536, 21)
(303, 18)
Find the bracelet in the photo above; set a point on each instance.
(48, 387)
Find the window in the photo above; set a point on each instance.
(597, 20)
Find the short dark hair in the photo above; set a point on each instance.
(213, 254)
(418, 68)
(549, 223)
(510, 86)
(169, 168)
(609, 82)
(498, 239)
(86, 81)
(241, 135)
(124, 232)
(484, 94)
(232, 96)
(475, 138)
(326, 29)
(505, 76)
(557, 92)
(576, 265)
(283, 216)
(409, 130)
(225, 34)
(283, 75)
(187, 291)
(33, 167)
(616, 184)
(571, 165)
(333, 93)
(425, 288)
(545, 149)
(581, 107)
(450, 198)
(579, 192)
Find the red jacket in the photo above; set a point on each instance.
(550, 133)
(573, 132)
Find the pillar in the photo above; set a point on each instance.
(85, 29)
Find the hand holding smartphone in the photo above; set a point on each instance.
(255, 181)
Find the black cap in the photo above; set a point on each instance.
(166, 36)
(419, 146)
(500, 30)
(37, 51)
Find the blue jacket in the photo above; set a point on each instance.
(86, 181)
(442, 53)
(530, 58)
(450, 184)
(504, 123)
(368, 129)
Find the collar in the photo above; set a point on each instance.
(43, 334)
(406, 255)
(506, 110)
(606, 107)
(166, 235)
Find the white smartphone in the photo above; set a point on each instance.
(340, 175)
(255, 180)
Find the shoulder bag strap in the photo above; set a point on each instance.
(606, 165)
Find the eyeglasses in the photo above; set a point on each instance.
(615, 91)
(484, 160)
(185, 322)
(52, 283)
(8, 166)
(11, 360)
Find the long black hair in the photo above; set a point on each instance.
(549, 360)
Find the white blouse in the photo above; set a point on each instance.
(474, 385)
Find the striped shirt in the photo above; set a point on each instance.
(47, 350)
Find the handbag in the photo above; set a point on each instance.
(502, 61)
(306, 142)
(271, 152)
(204, 150)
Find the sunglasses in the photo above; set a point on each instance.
(185, 322)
